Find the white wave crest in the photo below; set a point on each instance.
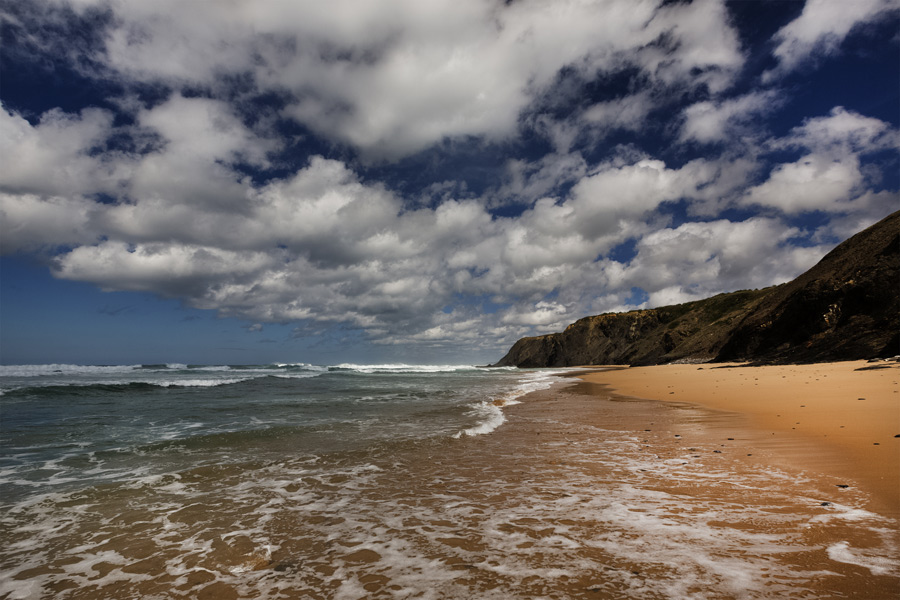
(492, 411)
(492, 417)
(64, 369)
(199, 382)
(534, 382)
(404, 368)
(302, 366)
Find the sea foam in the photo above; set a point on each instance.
(490, 412)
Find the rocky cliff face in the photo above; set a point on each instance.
(846, 307)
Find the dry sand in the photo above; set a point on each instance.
(840, 420)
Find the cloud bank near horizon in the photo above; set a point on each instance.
(442, 173)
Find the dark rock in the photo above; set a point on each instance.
(844, 308)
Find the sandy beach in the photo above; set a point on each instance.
(578, 492)
(676, 478)
(838, 419)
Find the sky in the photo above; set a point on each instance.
(259, 181)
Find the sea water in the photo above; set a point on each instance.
(298, 481)
(89, 453)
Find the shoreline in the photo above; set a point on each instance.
(581, 493)
(679, 487)
(827, 418)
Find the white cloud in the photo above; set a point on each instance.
(30, 223)
(842, 132)
(52, 157)
(615, 198)
(206, 129)
(328, 244)
(629, 112)
(525, 181)
(830, 176)
(319, 245)
(821, 28)
(860, 213)
(546, 315)
(174, 269)
(697, 260)
(708, 49)
(201, 141)
(396, 77)
(717, 121)
(811, 183)
(325, 246)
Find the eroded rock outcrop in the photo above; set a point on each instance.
(846, 307)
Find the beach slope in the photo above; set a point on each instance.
(841, 419)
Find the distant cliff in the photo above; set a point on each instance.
(846, 307)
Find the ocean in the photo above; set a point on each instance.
(396, 481)
(93, 455)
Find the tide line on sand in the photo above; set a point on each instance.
(841, 418)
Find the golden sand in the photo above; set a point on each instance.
(841, 418)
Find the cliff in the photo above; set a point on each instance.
(846, 307)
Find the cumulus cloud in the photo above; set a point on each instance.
(318, 245)
(53, 156)
(841, 132)
(29, 222)
(629, 112)
(201, 139)
(613, 200)
(207, 190)
(821, 28)
(527, 180)
(697, 260)
(323, 245)
(811, 183)
(393, 78)
(830, 175)
(716, 121)
(708, 49)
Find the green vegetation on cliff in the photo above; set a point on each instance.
(846, 307)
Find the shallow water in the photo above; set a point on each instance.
(560, 501)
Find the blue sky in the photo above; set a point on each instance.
(273, 180)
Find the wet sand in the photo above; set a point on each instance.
(837, 419)
(582, 493)
(678, 490)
